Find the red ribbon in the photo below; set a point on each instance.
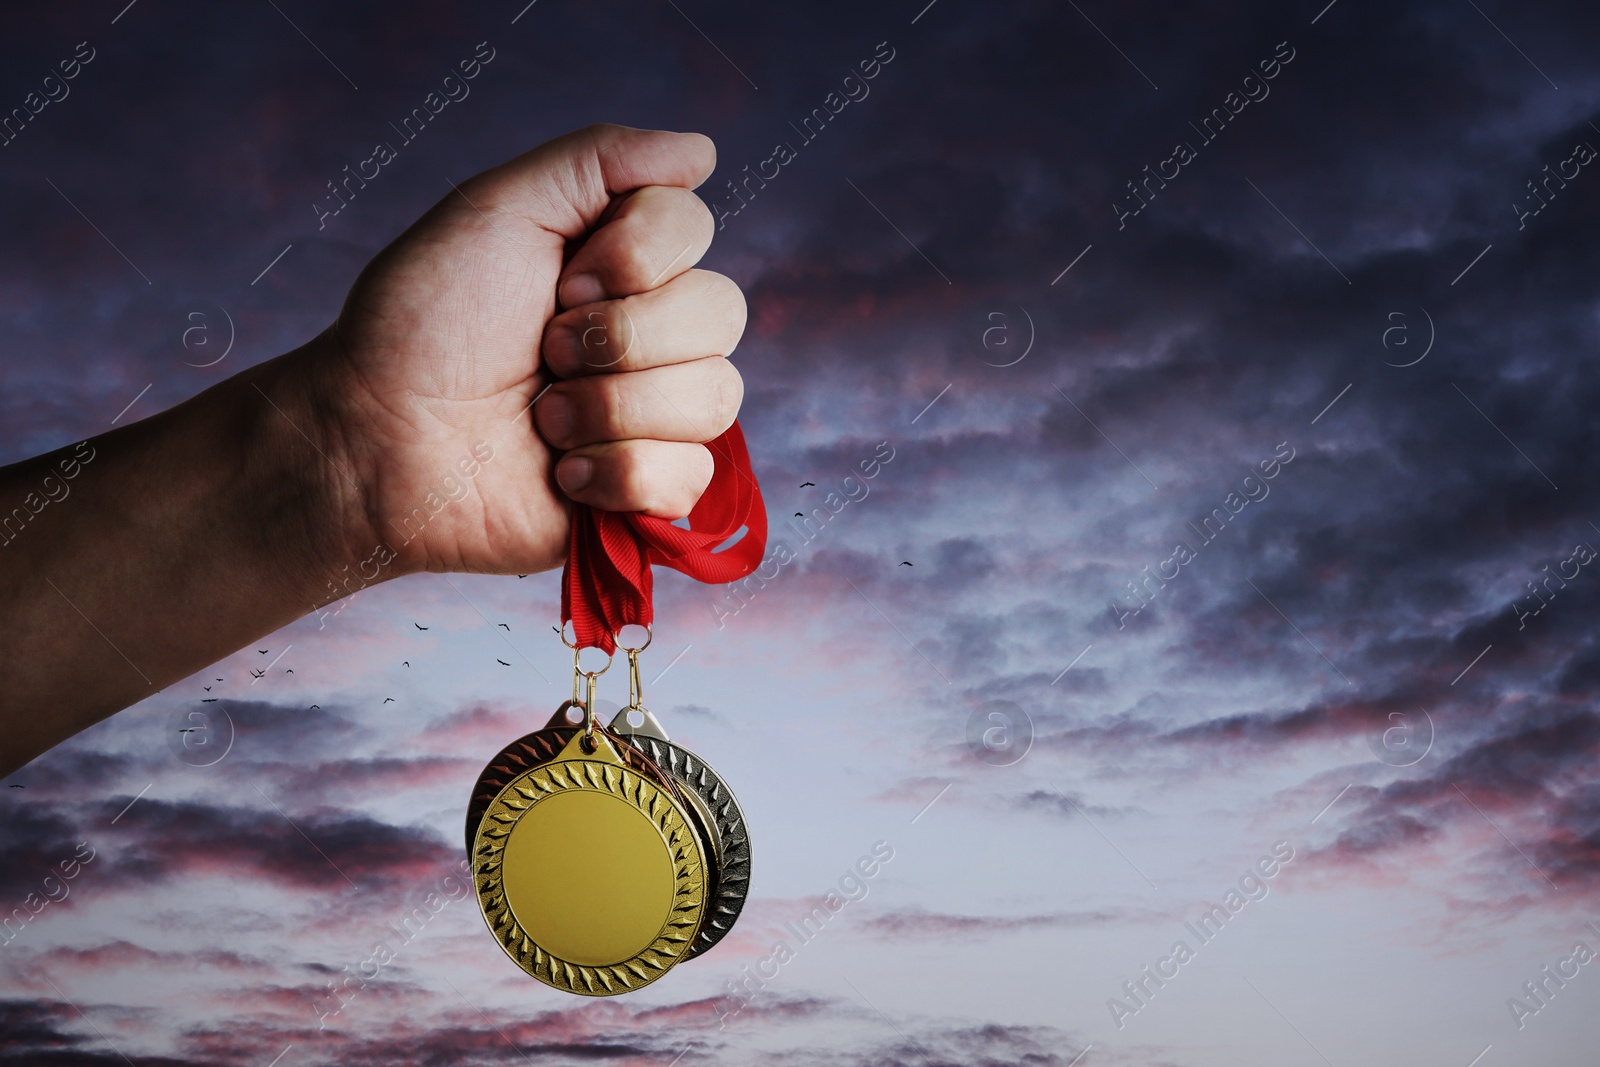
(607, 583)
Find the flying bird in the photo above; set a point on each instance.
(508, 629)
(406, 663)
(522, 576)
(258, 674)
(213, 700)
(388, 700)
(799, 514)
(18, 786)
(315, 707)
(263, 651)
(189, 729)
(502, 662)
(206, 688)
(419, 626)
(804, 484)
(906, 563)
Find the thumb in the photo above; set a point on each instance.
(564, 185)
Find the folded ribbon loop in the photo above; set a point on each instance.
(607, 582)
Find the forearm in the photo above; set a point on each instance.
(175, 541)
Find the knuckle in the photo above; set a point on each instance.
(633, 482)
(732, 311)
(705, 468)
(616, 410)
(626, 342)
(690, 469)
(631, 261)
(705, 224)
(727, 393)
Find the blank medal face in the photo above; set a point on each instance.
(590, 875)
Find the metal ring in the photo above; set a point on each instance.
(649, 635)
(575, 649)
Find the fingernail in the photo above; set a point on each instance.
(563, 351)
(581, 289)
(573, 473)
(553, 412)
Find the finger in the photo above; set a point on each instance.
(697, 314)
(658, 233)
(681, 402)
(564, 185)
(660, 478)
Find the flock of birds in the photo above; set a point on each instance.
(254, 673)
(801, 515)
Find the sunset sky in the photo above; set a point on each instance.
(1090, 275)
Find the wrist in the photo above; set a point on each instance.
(310, 494)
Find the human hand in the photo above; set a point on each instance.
(569, 266)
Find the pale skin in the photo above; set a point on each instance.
(566, 275)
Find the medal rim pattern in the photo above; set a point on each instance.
(733, 833)
(557, 737)
(650, 800)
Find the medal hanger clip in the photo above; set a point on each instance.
(635, 687)
(648, 725)
(584, 685)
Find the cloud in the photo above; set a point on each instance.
(920, 924)
(1520, 798)
(304, 851)
(34, 840)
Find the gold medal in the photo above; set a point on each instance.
(589, 874)
(602, 857)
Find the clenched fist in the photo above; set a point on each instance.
(565, 279)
